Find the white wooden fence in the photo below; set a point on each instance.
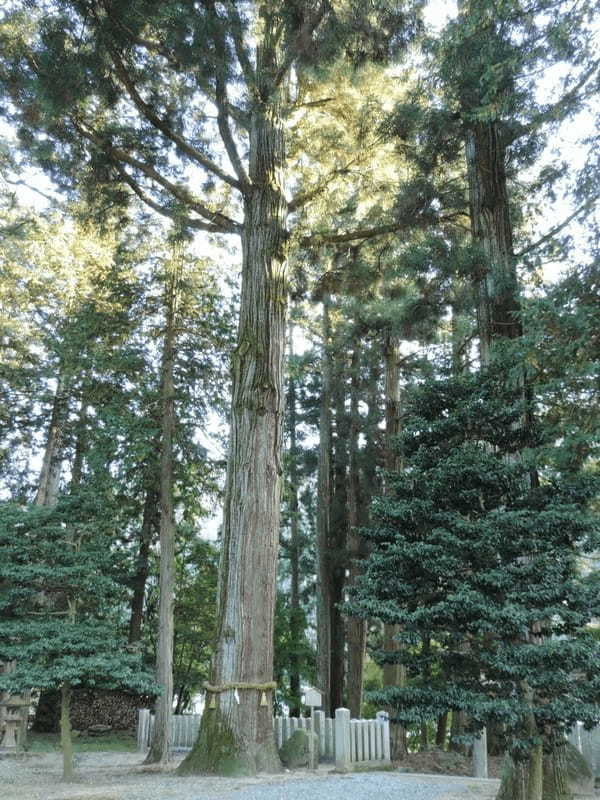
(184, 729)
(348, 742)
(588, 744)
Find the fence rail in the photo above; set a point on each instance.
(348, 742)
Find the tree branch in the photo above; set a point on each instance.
(225, 223)
(161, 124)
(305, 197)
(551, 111)
(222, 102)
(237, 33)
(329, 237)
(558, 228)
(303, 37)
(160, 209)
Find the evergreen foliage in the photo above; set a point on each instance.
(471, 555)
(61, 598)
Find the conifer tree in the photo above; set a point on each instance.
(59, 597)
(71, 76)
(468, 554)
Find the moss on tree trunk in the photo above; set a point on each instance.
(218, 750)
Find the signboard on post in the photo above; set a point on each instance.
(313, 698)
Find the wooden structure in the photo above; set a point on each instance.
(349, 743)
(14, 713)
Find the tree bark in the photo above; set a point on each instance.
(163, 710)
(49, 482)
(80, 445)
(338, 558)
(356, 628)
(441, 731)
(236, 735)
(148, 526)
(393, 674)
(323, 518)
(496, 282)
(66, 739)
(296, 618)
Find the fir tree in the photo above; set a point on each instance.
(61, 604)
(471, 556)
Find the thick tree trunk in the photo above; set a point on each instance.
(296, 618)
(498, 309)
(49, 481)
(236, 734)
(323, 518)
(497, 283)
(66, 739)
(148, 526)
(163, 710)
(338, 534)
(356, 628)
(393, 674)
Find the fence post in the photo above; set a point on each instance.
(342, 739)
(479, 757)
(318, 718)
(142, 729)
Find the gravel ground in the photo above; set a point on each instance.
(119, 776)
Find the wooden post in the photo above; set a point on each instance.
(342, 739)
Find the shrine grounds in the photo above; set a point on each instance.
(121, 776)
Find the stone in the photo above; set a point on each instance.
(581, 778)
(98, 730)
(342, 740)
(296, 751)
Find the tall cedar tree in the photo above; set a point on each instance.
(131, 90)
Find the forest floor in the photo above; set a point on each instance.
(121, 776)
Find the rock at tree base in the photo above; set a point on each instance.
(98, 730)
(579, 775)
(296, 750)
(565, 775)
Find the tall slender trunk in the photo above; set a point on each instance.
(338, 533)
(356, 628)
(441, 731)
(296, 620)
(66, 739)
(49, 482)
(323, 518)
(80, 445)
(147, 529)
(393, 674)
(159, 746)
(236, 734)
